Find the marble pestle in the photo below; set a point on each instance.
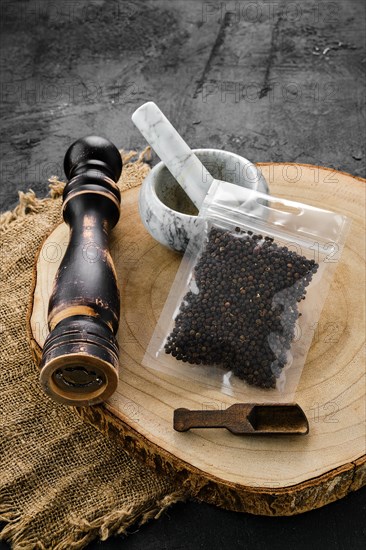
(163, 205)
(180, 160)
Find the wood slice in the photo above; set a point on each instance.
(271, 476)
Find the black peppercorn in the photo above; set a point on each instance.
(244, 315)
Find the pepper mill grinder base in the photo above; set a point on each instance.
(80, 362)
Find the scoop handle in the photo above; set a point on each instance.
(180, 160)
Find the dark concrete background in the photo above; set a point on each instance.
(270, 80)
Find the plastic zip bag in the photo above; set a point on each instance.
(246, 299)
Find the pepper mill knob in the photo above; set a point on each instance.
(80, 356)
(93, 152)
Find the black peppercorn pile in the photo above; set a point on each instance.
(244, 315)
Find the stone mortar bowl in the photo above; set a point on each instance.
(166, 210)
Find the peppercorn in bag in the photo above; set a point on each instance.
(245, 303)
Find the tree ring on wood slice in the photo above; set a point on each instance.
(260, 475)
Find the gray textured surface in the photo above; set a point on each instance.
(249, 77)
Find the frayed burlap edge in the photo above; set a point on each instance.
(118, 521)
(29, 203)
(115, 523)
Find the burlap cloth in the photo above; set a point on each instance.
(62, 482)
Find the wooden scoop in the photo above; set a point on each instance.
(247, 418)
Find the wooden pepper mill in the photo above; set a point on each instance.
(80, 356)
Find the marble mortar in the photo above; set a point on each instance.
(168, 213)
